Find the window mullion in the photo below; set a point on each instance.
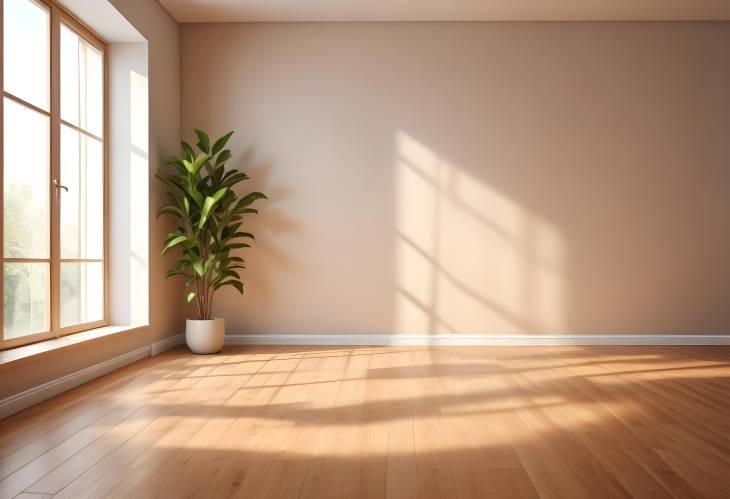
(25, 103)
(91, 135)
(55, 168)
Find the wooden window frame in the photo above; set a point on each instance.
(58, 16)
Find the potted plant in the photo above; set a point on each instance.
(210, 215)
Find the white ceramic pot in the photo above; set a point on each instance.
(204, 337)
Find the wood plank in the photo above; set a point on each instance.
(397, 422)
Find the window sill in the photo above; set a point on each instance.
(42, 348)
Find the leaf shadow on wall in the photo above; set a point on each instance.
(270, 222)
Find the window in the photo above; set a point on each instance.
(54, 234)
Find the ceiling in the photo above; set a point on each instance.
(447, 10)
(104, 19)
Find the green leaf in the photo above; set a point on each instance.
(197, 197)
(190, 296)
(236, 235)
(233, 172)
(182, 265)
(170, 181)
(177, 163)
(228, 273)
(174, 242)
(187, 150)
(221, 143)
(172, 235)
(208, 264)
(170, 210)
(171, 273)
(198, 267)
(248, 200)
(197, 163)
(234, 179)
(237, 245)
(203, 141)
(208, 205)
(236, 284)
(220, 193)
(223, 157)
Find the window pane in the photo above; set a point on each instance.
(82, 207)
(26, 49)
(27, 182)
(82, 293)
(26, 300)
(82, 83)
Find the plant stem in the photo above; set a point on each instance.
(198, 298)
(210, 302)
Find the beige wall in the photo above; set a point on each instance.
(475, 177)
(163, 36)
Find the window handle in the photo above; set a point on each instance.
(58, 187)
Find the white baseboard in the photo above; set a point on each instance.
(27, 398)
(32, 396)
(160, 346)
(475, 340)
(36, 394)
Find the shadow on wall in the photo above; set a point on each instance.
(276, 221)
(473, 178)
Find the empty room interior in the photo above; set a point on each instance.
(379, 249)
